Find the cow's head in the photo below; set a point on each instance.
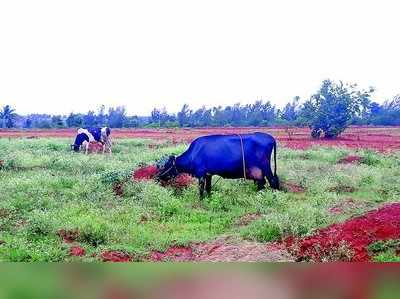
(80, 138)
(167, 170)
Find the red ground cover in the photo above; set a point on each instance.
(176, 254)
(356, 234)
(149, 173)
(376, 138)
(182, 181)
(115, 256)
(77, 251)
(145, 173)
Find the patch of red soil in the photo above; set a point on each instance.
(116, 257)
(223, 250)
(77, 251)
(173, 254)
(68, 236)
(182, 181)
(1, 164)
(355, 234)
(350, 160)
(145, 173)
(150, 172)
(293, 187)
(384, 139)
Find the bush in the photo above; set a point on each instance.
(332, 109)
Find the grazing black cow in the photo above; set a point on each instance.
(85, 136)
(229, 156)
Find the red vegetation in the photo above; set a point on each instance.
(182, 181)
(355, 234)
(350, 160)
(376, 138)
(150, 172)
(77, 251)
(176, 254)
(223, 250)
(68, 236)
(115, 257)
(145, 173)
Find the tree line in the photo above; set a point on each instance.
(328, 112)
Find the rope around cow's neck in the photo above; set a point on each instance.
(243, 159)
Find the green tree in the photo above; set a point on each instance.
(57, 121)
(74, 120)
(331, 110)
(184, 116)
(7, 117)
(89, 119)
(116, 117)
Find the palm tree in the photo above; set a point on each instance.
(7, 116)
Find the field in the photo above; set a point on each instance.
(56, 205)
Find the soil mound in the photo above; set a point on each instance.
(182, 181)
(173, 254)
(223, 250)
(150, 172)
(349, 240)
(77, 251)
(350, 160)
(115, 256)
(145, 173)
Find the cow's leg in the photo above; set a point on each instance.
(261, 184)
(86, 147)
(272, 180)
(208, 184)
(202, 182)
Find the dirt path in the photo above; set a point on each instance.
(225, 249)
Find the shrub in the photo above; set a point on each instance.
(331, 110)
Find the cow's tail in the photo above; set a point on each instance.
(275, 158)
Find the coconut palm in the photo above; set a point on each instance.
(7, 117)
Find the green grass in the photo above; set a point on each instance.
(44, 187)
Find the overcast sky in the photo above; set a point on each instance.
(63, 56)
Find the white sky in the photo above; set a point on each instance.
(63, 56)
